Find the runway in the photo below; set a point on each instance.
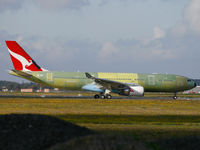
(91, 97)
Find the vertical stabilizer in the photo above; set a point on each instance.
(20, 59)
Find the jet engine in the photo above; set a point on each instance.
(136, 90)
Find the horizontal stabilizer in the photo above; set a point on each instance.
(22, 73)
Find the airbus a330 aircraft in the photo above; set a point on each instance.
(127, 84)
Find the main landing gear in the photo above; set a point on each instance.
(105, 95)
(102, 96)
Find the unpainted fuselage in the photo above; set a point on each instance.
(76, 80)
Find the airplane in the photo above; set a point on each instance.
(126, 84)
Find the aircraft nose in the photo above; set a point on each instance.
(195, 84)
(191, 83)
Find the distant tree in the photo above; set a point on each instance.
(17, 86)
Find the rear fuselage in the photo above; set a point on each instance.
(76, 80)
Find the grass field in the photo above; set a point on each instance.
(150, 121)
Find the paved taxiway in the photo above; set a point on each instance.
(91, 97)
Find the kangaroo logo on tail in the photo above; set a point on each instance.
(21, 60)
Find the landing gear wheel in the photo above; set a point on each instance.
(175, 95)
(102, 96)
(96, 96)
(108, 96)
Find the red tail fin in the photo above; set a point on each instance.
(21, 60)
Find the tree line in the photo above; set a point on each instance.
(15, 86)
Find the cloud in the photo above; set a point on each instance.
(151, 51)
(43, 4)
(158, 33)
(136, 52)
(108, 50)
(4, 55)
(59, 54)
(127, 2)
(52, 51)
(10, 4)
(179, 29)
(61, 4)
(191, 15)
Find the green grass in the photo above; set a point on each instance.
(133, 119)
(100, 107)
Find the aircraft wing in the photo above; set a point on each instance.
(109, 84)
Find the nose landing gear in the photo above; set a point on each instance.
(175, 95)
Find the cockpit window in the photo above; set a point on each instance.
(189, 80)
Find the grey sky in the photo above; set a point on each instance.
(142, 36)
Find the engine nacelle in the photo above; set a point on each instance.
(136, 90)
